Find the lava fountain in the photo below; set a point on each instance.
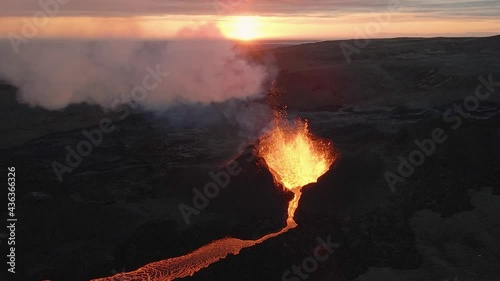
(295, 158)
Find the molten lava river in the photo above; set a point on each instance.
(295, 158)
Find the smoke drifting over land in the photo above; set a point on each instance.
(54, 74)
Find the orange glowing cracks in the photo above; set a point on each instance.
(294, 156)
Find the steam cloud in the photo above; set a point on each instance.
(54, 74)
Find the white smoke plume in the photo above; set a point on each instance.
(54, 74)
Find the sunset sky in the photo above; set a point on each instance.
(253, 19)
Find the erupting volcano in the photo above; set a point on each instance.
(295, 158)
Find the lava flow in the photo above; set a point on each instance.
(295, 158)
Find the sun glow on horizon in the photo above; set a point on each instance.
(248, 28)
(244, 28)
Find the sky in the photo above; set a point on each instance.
(249, 19)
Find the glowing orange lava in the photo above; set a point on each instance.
(295, 158)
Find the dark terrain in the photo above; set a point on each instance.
(119, 209)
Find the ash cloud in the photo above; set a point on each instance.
(54, 74)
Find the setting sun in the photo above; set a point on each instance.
(243, 28)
